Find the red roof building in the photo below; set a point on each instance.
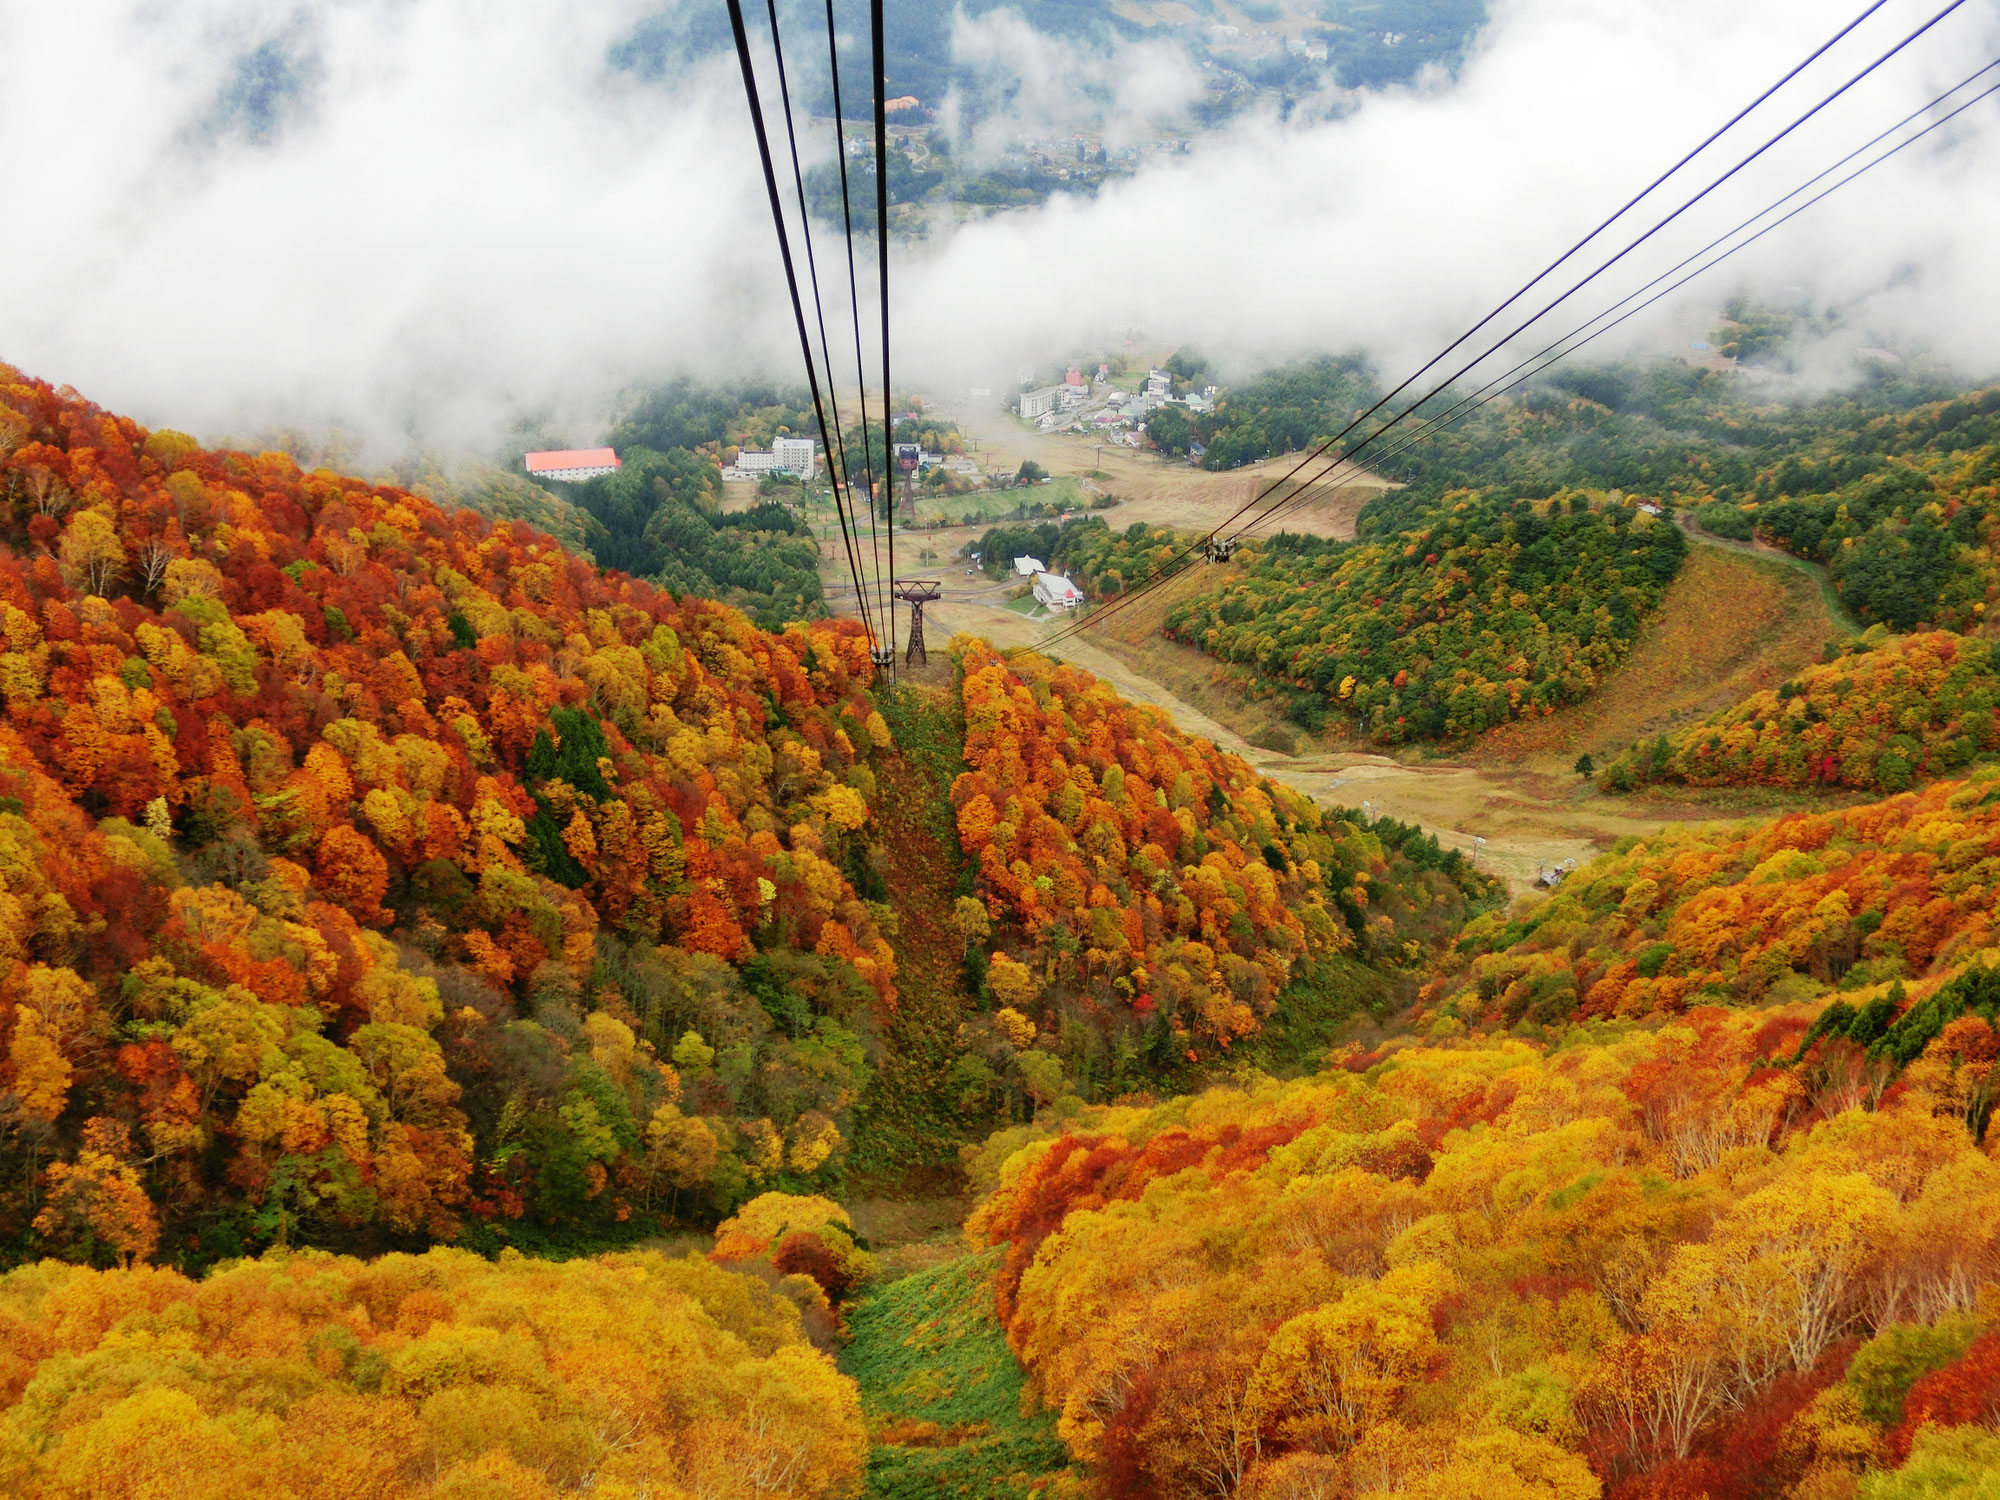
(572, 465)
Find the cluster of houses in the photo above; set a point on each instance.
(1098, 409)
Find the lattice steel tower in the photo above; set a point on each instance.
(917, 592)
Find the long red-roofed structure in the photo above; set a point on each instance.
(573, 463)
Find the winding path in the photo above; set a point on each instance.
(1816, 571)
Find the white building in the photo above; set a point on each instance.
(1053, 591)
(1027, 567)
(794, 455)
(1038, 403)
(572, 465)
(788, 455)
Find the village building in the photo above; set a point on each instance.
(572, 465)
(1053, 591)
(1038, 403)
(788, 455)
(793, 455)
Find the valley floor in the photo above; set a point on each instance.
(1734, 622)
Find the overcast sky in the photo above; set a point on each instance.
(428, 215)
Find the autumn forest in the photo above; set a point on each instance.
(456, 994)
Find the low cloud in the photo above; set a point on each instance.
(426, 217)
(1026, 84)
(412, 215)
(1396, 226)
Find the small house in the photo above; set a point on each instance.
(1053, 591)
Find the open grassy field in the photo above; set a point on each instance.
(1167, 492)
(941, 1392)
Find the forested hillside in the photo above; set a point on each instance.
(443, 1375)
(1164, 901)
(661, 519)
(381, 881)
(1905, 511)
(1893, 484)
(1512, 569)
(1794, 908)
(1285, 410)
(378, 875)
(1647, 1263)
(1882, 715)
(352, 833)
(1482, 611)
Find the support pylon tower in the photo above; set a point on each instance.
(917, 592)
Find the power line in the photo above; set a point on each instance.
(1174, 563)
(1431, 428)
(778, 220)
(854, 303)
(819, 312)
(1481, 397)
(1465, 409)
(1551, 267)
(1629, 249)
(882, 255)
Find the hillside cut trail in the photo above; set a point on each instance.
(919, 868)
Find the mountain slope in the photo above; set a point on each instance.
(380, 875)
(1472, 614)
(1639, 1265)
(1789, 909)
(1881, 716)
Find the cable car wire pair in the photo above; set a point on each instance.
(879, 623)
